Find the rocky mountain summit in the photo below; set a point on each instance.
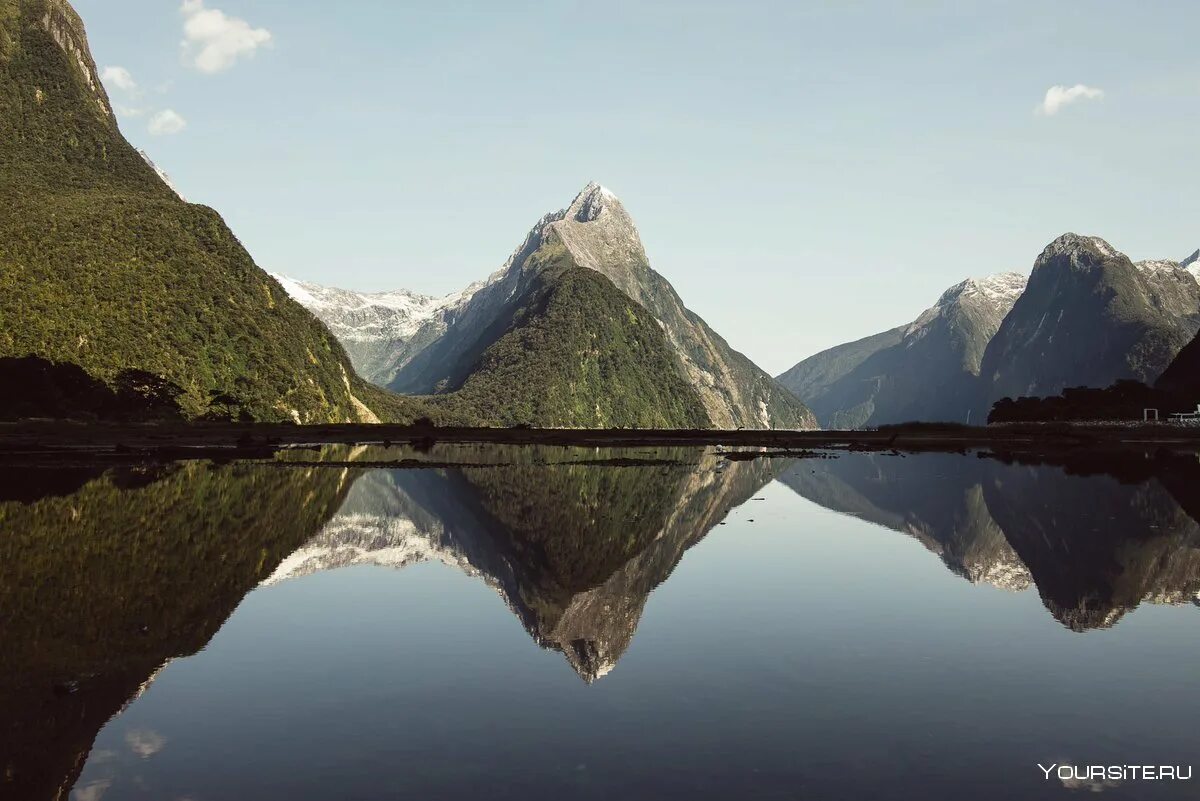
(436, 346)
(1090, 317)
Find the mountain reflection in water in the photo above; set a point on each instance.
(1097, 537)
(574, 548)
(106, 574)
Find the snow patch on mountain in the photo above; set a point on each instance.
(995, 294)
(1192, 265)
(369, 316)
(1074, 246)
(162, 175)
(366, 539)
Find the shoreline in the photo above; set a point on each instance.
(256, 440)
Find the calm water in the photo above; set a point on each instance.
(597, 625)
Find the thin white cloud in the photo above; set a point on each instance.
(214, 41)
(128, 111)
(1058, 97)
(145, 743)
(166, 123)
(118, 78)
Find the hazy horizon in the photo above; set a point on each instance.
(804, 174)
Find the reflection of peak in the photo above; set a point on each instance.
(927, 497)
(359, 539)
(577, 573)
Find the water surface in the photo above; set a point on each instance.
(544, 622)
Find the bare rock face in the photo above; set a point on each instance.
(64, 25)
(432, 346)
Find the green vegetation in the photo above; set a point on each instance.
(171, 549)
(579, 354)
(103, 267)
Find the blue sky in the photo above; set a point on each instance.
(805, 173)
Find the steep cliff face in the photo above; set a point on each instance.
(927, 370)
(437, 347)
(104, 268)
(1090, 317)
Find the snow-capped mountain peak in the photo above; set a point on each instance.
(994, 295)
(1080, 252)
(376, 327)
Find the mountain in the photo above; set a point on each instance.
(927, 370)
(106, 272)
(497, 332)
(379, 330)
(1090, 317)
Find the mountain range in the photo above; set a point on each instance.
(1086, 316)
(122, 300)
(928, 369)
(478, 346)
(119, 299)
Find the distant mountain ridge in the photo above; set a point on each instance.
(928, 369)
(379, 330)
(1088, 316)
(437, 346)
